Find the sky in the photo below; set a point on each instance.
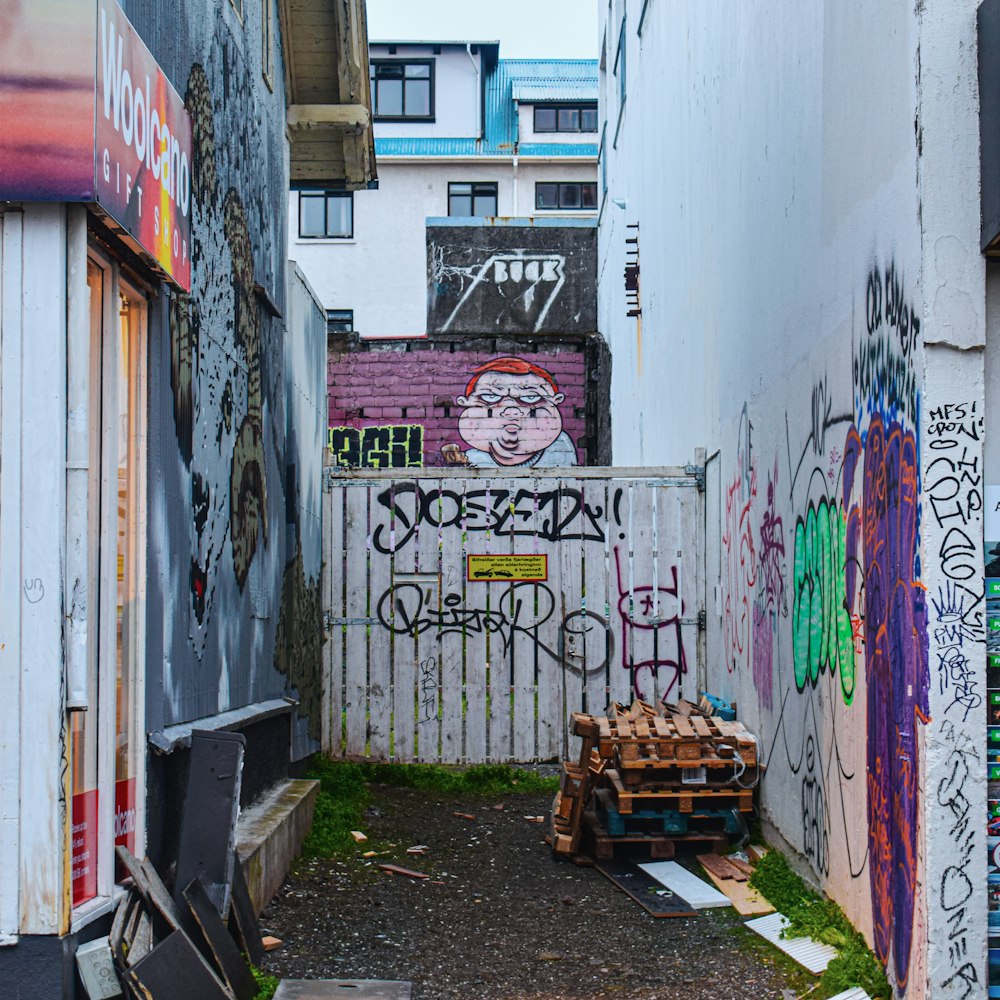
(527, 29)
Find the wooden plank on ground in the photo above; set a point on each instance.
(720, 866)
(746, 901)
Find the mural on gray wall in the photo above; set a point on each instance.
(511, 279)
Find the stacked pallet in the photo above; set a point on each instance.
(654, 776)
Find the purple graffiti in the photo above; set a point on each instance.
(651, 630)
(882, 537)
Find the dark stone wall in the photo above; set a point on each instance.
(512, 279)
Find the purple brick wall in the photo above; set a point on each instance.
(382, 388)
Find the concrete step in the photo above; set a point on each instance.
(270, 833)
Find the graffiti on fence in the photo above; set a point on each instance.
(520, 609)
(652, 640)
(560, 514)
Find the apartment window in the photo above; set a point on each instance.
(551, 196)
(403, 90)
(472, 199)
(566, 117)
(326, 214)
(339, 320)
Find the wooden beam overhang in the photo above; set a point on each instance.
(330, 133)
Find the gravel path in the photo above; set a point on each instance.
(499, 918)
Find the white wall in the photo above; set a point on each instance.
(456, 94)
(382, 273)
(785, 161)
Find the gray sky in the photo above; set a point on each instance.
(527, 29)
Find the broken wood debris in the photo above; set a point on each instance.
(161, 951)
(654, 776)
(359, 837)
(468, 816)
(270, 942)
(398, 870)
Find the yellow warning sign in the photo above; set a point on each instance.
(509, 567)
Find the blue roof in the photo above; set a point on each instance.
(510, 81)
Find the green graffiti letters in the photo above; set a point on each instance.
(821, 627)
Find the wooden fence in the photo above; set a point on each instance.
(469, 614)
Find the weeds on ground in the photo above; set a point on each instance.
(810, 915)
(266, 984)
(343, 793)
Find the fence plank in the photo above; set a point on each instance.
(428, 543)
(620, 675)
(380, 636)
(333, 602)
(592, 625)
(404, 652)
(566, 665)
(356, 653)
(452, 634)
(480, 597)
(499, 680)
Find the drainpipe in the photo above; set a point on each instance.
(479, 96)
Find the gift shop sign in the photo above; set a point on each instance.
(142, 146)
(97, 123)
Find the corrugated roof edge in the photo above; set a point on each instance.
(434, 41)
(512, 221)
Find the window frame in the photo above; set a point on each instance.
(404, 117)
(335, 316)
(579, 106)
(472, 195)
(108, 567)
(326, 194)
(267, 43)
(559, 185)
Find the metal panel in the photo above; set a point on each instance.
(989, 121)
(492, 668)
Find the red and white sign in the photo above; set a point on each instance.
(143, 146)
(84, 846)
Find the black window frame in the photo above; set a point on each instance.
(472, 195)
(340, 321)
(559, 186)
(578, 106)
(374, 64)
(325, 194)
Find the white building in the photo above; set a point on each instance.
(459, 132)
(809, 302)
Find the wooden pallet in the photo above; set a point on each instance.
(668, 821)
(684, 800)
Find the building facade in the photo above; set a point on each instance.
(792, 192)
(161, 424)
(459, 133)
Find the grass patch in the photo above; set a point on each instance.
(343, 793)
(810, 915)
(266, 984)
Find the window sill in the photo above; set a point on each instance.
(305, 241)
(94, 909)
(398, 119)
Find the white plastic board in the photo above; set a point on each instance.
(696, 891)
(857, 993)
(807, 952)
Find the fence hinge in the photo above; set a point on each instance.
(702, 620)
(329, 474)
(698, 471)
(330, 620)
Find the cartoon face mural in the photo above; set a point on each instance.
(511, 417)
(428, 405)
